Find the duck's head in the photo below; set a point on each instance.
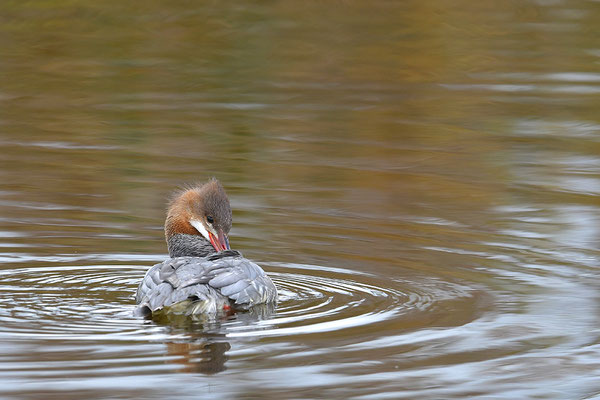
(198, 221)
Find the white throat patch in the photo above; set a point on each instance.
(200, 228)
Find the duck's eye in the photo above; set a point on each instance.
(210, 219)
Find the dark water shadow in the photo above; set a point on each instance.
(202, 343)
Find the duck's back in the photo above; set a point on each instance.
(211, 283)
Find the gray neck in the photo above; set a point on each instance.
(182, 245)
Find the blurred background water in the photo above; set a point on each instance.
(420, 179)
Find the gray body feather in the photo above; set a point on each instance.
(204, 285)
(182, 245)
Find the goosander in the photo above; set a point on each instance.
(203, 274)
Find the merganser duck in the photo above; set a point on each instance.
(203, 275)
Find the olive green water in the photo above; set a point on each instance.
(420, 179)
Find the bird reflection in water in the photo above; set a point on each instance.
(201, 355)
(202, 342)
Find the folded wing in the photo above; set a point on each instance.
(215, 280)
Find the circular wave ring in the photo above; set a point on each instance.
(82, 301)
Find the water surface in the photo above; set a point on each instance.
(420, 180)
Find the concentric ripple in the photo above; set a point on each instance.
(77, 302)
(315, 299)
(80, 302)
